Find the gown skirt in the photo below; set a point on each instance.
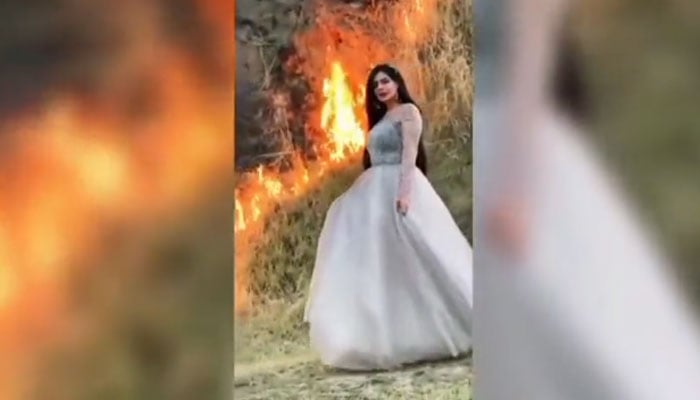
(389, 289)
(591, 309)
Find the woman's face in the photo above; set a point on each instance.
(384, 87)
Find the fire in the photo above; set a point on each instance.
(338, 114)
(7, 284)
(71, 165)
(341, 121)
(72, 169)
(345, 137)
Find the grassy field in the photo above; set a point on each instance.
(272, 358)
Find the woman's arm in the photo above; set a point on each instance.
(532, 28)
(411, 129)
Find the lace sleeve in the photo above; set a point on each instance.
(411, 129)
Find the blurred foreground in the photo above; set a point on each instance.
(576, 296)
(115, 250)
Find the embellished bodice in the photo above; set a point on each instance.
(395, 141)
(384, 144)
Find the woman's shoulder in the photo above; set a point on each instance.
(407, 111)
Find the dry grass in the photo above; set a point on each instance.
(310, 380)
(272, 356)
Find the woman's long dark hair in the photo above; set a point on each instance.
(377, 109)
(568, 86)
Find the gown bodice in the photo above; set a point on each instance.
(384, 145)
(395, 141)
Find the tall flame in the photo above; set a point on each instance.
(338, 114)
(71, 170)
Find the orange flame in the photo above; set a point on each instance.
(70, 171)
(344, 138)
(338, 114)
(70, 165)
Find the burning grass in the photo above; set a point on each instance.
(278, 223)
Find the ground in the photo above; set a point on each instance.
(303, 377)
(288, 369)
(273, 361)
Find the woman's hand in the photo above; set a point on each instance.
(402, 206)
(508, 226)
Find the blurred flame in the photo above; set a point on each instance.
(69, 169)
(7, 284)
(72, 168)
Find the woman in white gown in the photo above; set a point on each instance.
(392, 283)
(573, 300)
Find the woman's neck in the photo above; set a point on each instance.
(392, 104)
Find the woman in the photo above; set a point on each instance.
(392, 282)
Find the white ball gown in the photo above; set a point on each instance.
(588, 309)
(390, 289)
